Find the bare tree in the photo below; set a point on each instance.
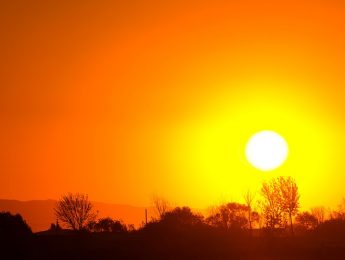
(249, 199)
(271, 204)
(319, 214)
(75, 211)
(340, 213)
(161, 205)
(289, 197)
(281, 199)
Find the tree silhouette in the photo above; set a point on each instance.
(161, 205)
(307, 220)
(91, 226)
(108, 225)
(182, 216)
(289, 197)
(271, 204)
(319, 214)
(118, 227)
(176, 221)
(104, 225)
(75, 211)
(340, 213)
(281, 198)
(229, 216)
(249, 199)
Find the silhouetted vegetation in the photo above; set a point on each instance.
(280, 202)
(13, 225)
(319, 213)
(160, 205)
(229, 216)
(178, 220)
(75, 211)
(107, 225)
(231, 231)
(249, 199)
(15, 236)
(306, 220)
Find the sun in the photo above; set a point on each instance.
(266, 150)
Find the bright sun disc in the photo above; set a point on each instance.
(266, 150)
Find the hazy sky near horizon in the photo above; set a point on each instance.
(125, 99)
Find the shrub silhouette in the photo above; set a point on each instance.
(15, 236)
(107, 225)
(118, 227)
(13, 226)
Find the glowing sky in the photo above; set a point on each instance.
(123, 99)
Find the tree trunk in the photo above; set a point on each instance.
(250, 218)
(291, 226)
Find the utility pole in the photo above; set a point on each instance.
(145, 216)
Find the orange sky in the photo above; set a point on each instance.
(123, 100)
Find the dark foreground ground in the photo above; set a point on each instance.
(139, 245)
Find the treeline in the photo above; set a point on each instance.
(274, 208)
(268, 223)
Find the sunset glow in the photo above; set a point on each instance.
(126, 99)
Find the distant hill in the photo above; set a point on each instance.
(39, 214)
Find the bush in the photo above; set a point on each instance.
(13, 226)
